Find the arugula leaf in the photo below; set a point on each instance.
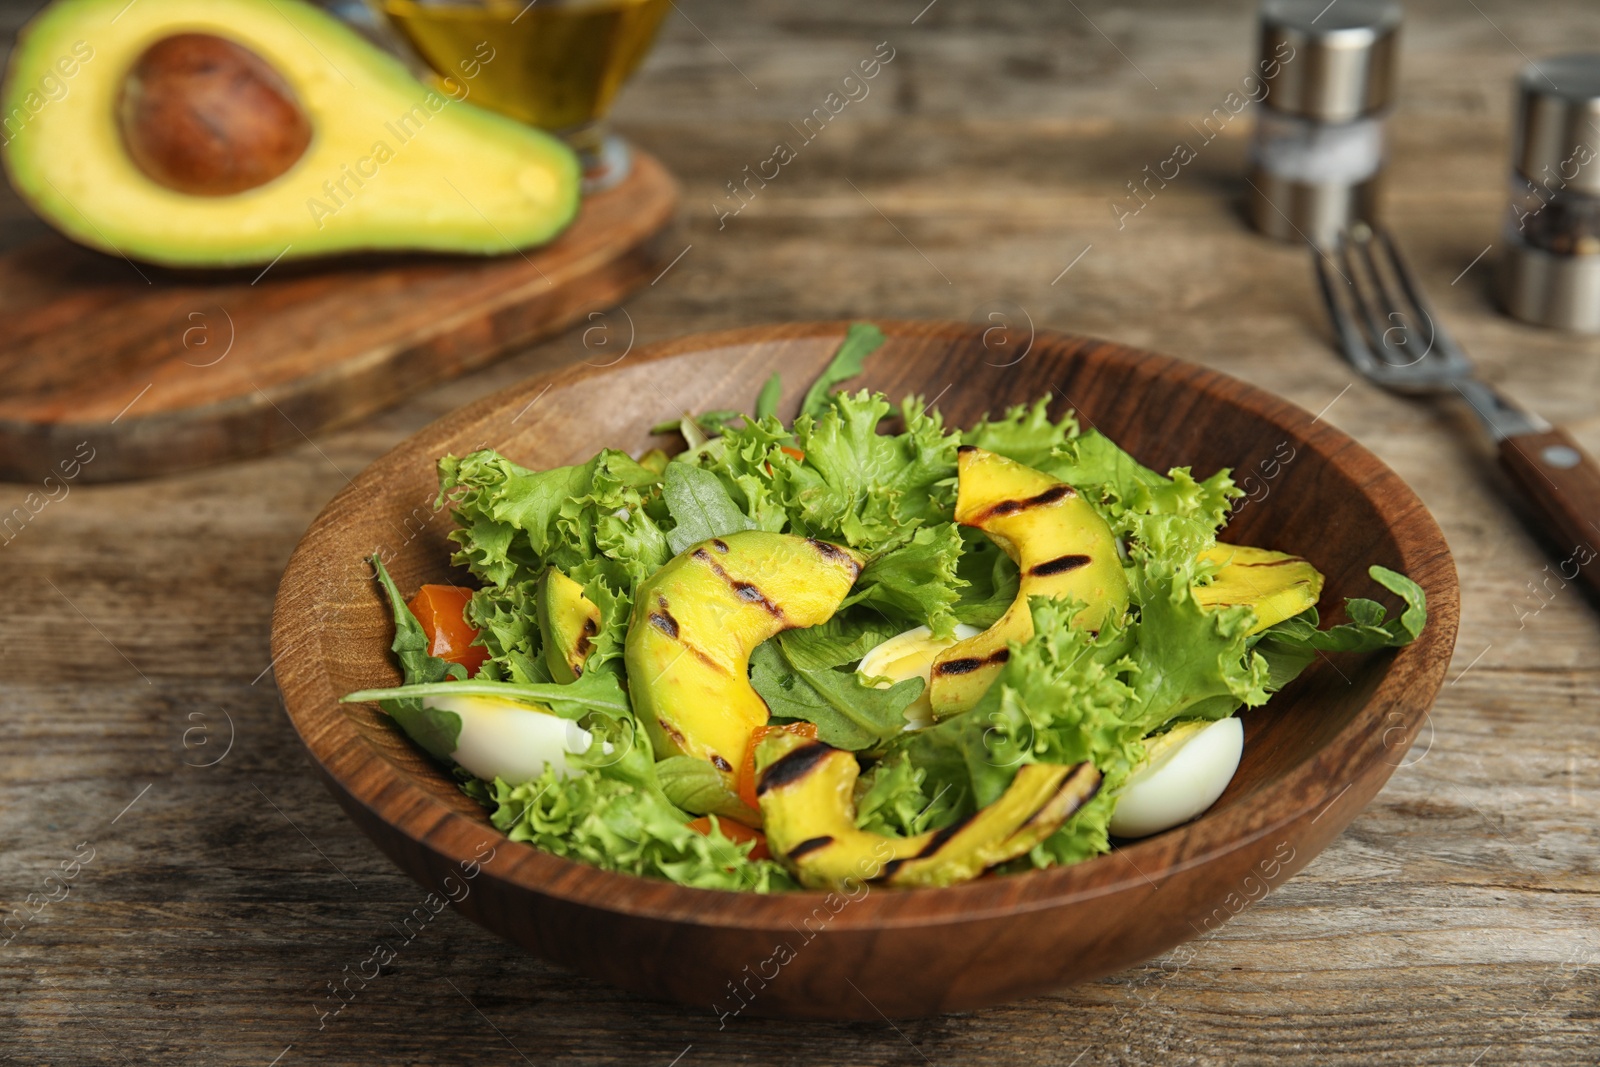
(410, 642)
(848, 714)
(700, 507)
(767, 400)
(696, 787)
(593, 691)
(1291, 645)
(437, 731)
(840, 641)
(860, 341)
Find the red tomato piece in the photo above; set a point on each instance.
(442, 611)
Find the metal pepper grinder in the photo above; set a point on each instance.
(1329, 72)
(1549, 272)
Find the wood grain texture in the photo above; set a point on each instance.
(1313, 758)
(157, 371)
(1456, 917)
(1562, 483)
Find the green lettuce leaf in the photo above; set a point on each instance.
(889, 799)
(918, 581)
(869, 490)
(619, 826)
(1024, 433)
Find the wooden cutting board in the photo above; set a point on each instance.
(149, 370)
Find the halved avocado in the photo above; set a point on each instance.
(696, 621)
(1062, 547)
(226, 132)
(806, 792)
(1275, 585)
(568, 622)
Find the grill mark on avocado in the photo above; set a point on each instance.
(720, 764)
(1270, 562)
(834, 553)
(965, 448)
(720, 545)
(662, 620)
(1070, 782)
(888, 871)
(810, 845)
(942, 836)
(1059, 565)
(748, 592)
(1011, 507)
(793, 766)
(971, 663)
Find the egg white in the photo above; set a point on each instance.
(1183, 773)
(911, 655)
(505, 739)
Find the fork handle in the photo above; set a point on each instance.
(1562, 482)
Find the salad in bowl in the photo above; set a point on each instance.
(857, 647)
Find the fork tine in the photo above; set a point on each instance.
(1366, 290)
(1348, 332)
(1419, 299)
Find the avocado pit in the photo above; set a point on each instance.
(206, 116)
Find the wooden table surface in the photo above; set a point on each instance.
(1456, 922)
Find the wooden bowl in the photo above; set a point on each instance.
(1312, 759)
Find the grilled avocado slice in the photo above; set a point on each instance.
(696, 621)
(568, 622)
(1063, 548)
(806, 793)
(1275, 585)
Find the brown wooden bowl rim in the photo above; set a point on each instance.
(1408, 686)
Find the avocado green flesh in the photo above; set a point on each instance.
(1063, 549)
(568, 623)
(806, 791)
(696, 621)
(392, 164)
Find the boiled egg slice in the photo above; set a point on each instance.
(911, 655)
(1183, 773)
(505, 739)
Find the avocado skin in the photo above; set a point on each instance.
(568, 623)
(696, 621)
(1275, 585)
(1061, 545)
(392, 164)
(806, 790)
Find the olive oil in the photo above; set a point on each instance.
(556, 64)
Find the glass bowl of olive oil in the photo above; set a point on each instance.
(555, 64)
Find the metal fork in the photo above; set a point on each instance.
(1387, 330)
